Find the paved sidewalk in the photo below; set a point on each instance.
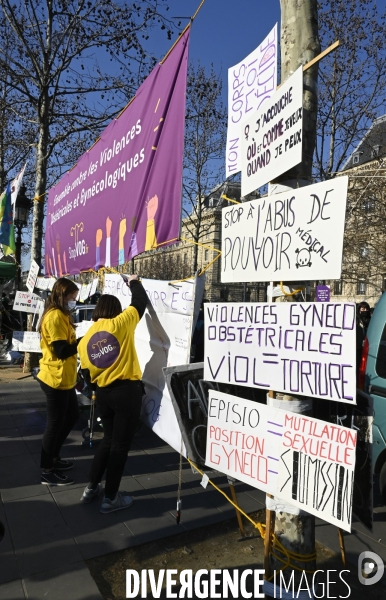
(49, 533)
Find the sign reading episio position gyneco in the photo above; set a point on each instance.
(299, 348)
(271, 138)
(291, 236)
(251, 83)
(124, 194)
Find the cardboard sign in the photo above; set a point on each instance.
(27, 302)
(26, 341)
(359, 418)
(162, 339)
(289, 236)
(306, 349)
(306, 462)
(32, 276)
(316, 468)
(271, 138)
(251, 83)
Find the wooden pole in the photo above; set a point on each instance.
(238, 514)
(321, 55)
(342, 546)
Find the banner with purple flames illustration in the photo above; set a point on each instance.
(124, 195)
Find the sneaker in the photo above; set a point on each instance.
(119, 503)
(89, 494)
(55, 478)
(63, 465)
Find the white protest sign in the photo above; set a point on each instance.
(162, 339)
(32, 276)
(26, 341)
(250, 83)
(301, 348)
(27, 302)
(305, 461)
(316, 468)
(41, 283)
(84, 292)
(16, 184)
(94, 285)
(291, 236)
(239, 441)
(82, 328)
(271, 138)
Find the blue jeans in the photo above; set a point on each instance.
(119, 406)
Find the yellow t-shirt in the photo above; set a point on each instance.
(56, 372)
(107, 350)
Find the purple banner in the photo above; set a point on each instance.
(124, 194)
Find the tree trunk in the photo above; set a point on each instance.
(299, 45)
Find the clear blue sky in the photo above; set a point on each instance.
(224, 31)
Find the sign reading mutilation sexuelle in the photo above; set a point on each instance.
(292, 236)
(306, 462)
(299, 348)
(271, 138)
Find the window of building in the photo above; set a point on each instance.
(338, 287)
(361, 287)
(355, 158)
(224, 293)
(185, 258)
(206, 254)
(375, 151)
(368, 205)
(364, 250)
(384, 283)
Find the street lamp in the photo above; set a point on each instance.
(22, 208)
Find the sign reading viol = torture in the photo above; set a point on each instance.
(299, 348)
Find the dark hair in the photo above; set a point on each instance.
(108, 307)
(363, 305)
(62, 287)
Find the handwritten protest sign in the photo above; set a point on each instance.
(26, 341)
(32, 276)
(304, 461)
(162, 339)
(27, 302)
(271, 138)
(316, 468)
(300, 348)
(286, 237)
(189, 394)
(124, 194)
(250, 84)
(241, 441)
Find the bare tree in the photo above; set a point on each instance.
(74, 63)
(352, 79)
(16, 135)
(205, 136)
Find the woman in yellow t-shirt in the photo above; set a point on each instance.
(109, 361)
(57, 378)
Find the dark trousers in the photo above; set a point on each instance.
(119, 406)
(62, 414)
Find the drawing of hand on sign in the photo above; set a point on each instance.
(151, 239)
